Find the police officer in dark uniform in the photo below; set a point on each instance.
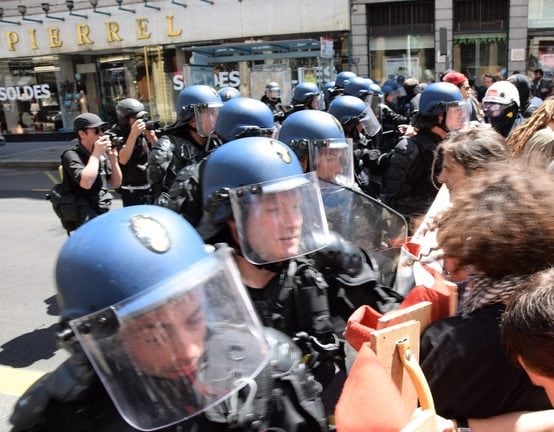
(258, 199)
(134, 134)
(306, 95)
(272, 98)
(186, 141)
(238, 117)
(408, 186)
(176, 349)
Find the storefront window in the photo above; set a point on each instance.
(29, 96)
(541, 39)
(480, 38)
(401, 40)
(479, 55)
(145, 74)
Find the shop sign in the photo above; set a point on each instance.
(221, 79)
(25, 93)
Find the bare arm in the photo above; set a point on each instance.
(90, 172)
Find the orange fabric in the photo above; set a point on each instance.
(363, 321)
(439, 295)
(370, 401)
(360, 325)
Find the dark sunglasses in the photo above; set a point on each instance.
(97, 130)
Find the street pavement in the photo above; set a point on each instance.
(42, 155)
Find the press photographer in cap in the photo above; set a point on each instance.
(90, 167)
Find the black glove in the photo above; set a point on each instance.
(339, 257)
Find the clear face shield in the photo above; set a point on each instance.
(280, 219)
(273, 93)
(373, 102)
(178, 348)
(318, 102)
(333, 161)
(456, 115)
(205, 116)
(370, 123)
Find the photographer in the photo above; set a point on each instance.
(133, 134)
(89, 168)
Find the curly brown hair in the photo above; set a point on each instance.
(517, 139)
(501, 222)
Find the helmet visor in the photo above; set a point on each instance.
(333, 161)
(279, 220)
(206, 116)
(318, 102)
(494, 109)
(370, 122)
(178, 348)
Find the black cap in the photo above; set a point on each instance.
(88, 121)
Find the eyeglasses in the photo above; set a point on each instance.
(466, 87)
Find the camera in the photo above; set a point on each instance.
(117, 141)
(149, 124)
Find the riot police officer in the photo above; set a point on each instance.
(237, 118)
(258, 199)
(306, 95)
(361, 125)
(133, 134)
(272, 98)
(341, 80)
(185, 142)
(408, 184)
(160, 335)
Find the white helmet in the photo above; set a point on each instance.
(502, 92)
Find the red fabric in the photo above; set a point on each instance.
(370, 401)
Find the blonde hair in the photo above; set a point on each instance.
(518, 138)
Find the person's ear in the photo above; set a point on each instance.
(233, 228)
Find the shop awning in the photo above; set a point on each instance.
(249, 51)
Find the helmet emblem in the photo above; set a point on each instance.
(281, 150)
(150, 233)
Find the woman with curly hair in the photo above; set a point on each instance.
(499, 229)
(533, 140)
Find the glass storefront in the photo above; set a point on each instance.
(45, 94)
(401, 40)
(541, 37)
(482, 54)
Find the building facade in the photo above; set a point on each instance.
(64, 57)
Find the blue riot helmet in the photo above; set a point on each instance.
(308, 95)
(201, 102)
(351, 111)
(359, 87)
(228, 93)
(161, 317)
(242, 117)
(342, 79)
(276, 208)
(438, 99)
(310, 134)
